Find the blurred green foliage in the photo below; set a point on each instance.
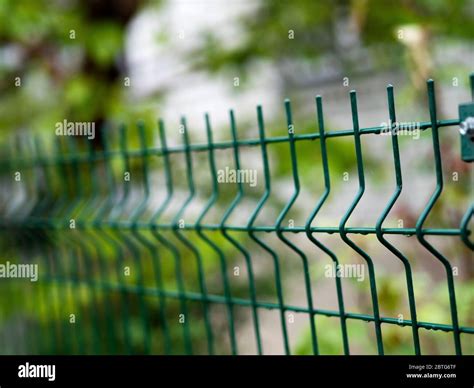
(68, 57)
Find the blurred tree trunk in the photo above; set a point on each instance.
(119, 12)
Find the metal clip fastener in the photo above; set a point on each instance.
(467, 127)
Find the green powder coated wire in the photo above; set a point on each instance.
(283, 214)
(109, 221)
(260, 242)
(345, 218)
(386, 211)
(212, 244)
(427, 210)
(319, 205)
(235, 243)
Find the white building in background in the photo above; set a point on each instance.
(160, 41)
(157, 50)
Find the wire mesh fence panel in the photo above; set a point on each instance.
(122, 246)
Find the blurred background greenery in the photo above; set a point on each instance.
(119, 61)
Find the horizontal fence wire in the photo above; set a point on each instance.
(87, 226)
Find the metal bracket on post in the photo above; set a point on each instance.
(466, 128)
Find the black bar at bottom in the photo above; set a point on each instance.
(137, 371)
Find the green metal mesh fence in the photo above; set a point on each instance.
(123, 270)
